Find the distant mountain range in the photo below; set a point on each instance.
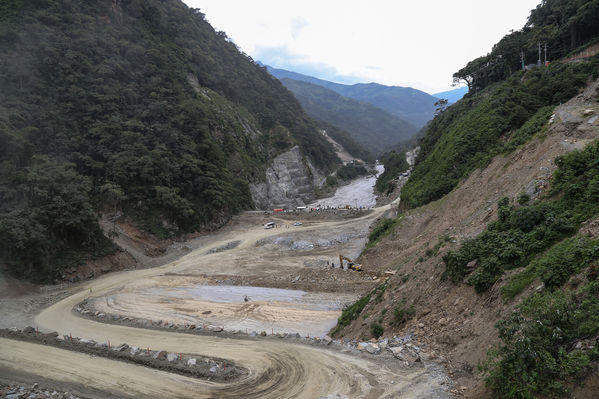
(373, 128)
(453, 95)
(411, 105)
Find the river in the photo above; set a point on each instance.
(359, 192)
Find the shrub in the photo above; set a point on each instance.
(401, 314)
(376, 329)
(522, 233)
(538, 352)
(381, 229)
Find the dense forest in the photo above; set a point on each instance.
(395, 163)
(371, 127)
(137, 106)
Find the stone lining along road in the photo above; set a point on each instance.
(275, 368)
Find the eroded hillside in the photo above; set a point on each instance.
(452, 319)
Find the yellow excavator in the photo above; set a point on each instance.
(350, 263)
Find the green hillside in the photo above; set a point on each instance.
(372, 127)
(411, 105)
(506, 105)
(541, 353)
(139, 106)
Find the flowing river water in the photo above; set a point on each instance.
(358, 193)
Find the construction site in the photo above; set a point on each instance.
(245, 311)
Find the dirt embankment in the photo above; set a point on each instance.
(453, 320)
(193, 365)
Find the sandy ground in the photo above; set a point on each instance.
(279, 258)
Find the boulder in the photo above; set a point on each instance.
(134, 350)
(171, 357)
(52, 334)
(29, 330)
(405, 354)
(263, 334)
(192, 362)
(121, 348)
(216, 329)
(327, 340)
(160, 355)
(213, 369)
(373, 348)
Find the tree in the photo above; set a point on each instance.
(440, 106)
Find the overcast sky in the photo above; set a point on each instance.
(416, 43)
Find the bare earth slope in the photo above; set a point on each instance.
(452, 318)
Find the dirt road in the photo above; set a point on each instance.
(277, 368)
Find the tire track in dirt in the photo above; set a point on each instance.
(277, 369)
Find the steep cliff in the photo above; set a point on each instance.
(290, 182)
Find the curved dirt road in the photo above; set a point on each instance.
(277, 368)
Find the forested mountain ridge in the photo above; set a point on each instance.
(411, 105)
(132, 105)
(370, 126)
(506, 105)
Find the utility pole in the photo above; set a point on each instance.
(522, 59)
(539, 60)
(545, 53)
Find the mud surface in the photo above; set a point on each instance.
(275, 367)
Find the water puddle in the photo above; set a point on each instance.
(239, 294)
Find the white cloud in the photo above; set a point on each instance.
(405, 43)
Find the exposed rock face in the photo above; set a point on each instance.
(290, 181)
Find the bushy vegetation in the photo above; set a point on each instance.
(381, 229)
(539, 354)
(402, 313)
(351, 171)
(139, 106)
(353, 311)
(507, 114)
(522, 232)
(376, 329)
(395, 163)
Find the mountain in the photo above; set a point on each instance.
(453, 95)
(370, 126)
(411, 105)
(137, 107)
(496, 260)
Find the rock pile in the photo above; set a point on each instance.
(186, 364)
(32, 392)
